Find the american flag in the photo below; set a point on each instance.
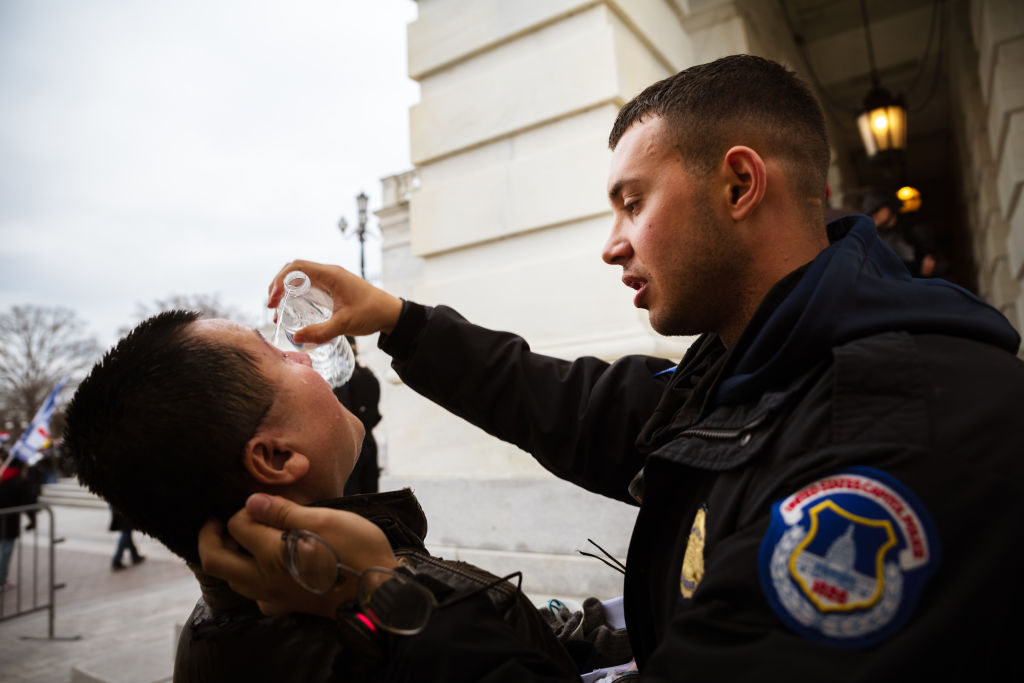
(37, 436)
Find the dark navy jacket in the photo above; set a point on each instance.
(836, 497)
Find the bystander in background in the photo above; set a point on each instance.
(119, 522)
(361, 395)
(912, 240)
(15, 491)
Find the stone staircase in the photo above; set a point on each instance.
(68, 492)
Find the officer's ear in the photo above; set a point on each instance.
(746, 180)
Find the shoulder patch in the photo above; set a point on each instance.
(845, 558)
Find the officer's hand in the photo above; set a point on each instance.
(262, 575)
(359, 307)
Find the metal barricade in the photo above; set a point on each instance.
(35, 585)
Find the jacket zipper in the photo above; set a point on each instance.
(742, 434)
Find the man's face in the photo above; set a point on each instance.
(665, 234)
(305, 415)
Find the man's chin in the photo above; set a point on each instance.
(671, 328)
(660, 324)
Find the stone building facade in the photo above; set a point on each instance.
(505, 215)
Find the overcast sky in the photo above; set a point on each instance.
(190, 147)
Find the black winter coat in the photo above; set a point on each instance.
(836, 497)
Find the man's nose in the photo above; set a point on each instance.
(302, 357)
(617, 249)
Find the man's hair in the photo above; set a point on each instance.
(159, 428)
(738, 100)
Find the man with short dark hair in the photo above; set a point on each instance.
(161, 421)
(829, 481)
(181, 421)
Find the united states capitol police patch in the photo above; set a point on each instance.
(845, 558)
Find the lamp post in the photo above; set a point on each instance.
(361, 200)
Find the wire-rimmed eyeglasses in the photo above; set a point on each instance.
(389, 599)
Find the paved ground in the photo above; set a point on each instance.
(108, 626)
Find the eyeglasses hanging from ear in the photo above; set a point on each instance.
(391, 600)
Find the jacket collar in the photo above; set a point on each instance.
(855, 288)
(690, 392)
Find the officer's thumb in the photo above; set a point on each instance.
(314, 334)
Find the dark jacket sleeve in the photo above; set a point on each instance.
(579, 419)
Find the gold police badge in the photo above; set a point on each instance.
(693, 559)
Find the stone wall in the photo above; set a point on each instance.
(987, 66)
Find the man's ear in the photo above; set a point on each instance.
(747, 181)
(272, 463)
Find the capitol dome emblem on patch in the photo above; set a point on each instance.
(845, 558)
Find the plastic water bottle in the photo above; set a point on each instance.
(302, 305)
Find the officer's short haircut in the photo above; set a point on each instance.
(738, 100)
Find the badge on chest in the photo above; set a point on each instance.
(693, 560)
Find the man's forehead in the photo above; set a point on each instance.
(215, 325)
(644, 140)
(228, 331)
(648, 131)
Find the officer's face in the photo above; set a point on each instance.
(665, 235)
